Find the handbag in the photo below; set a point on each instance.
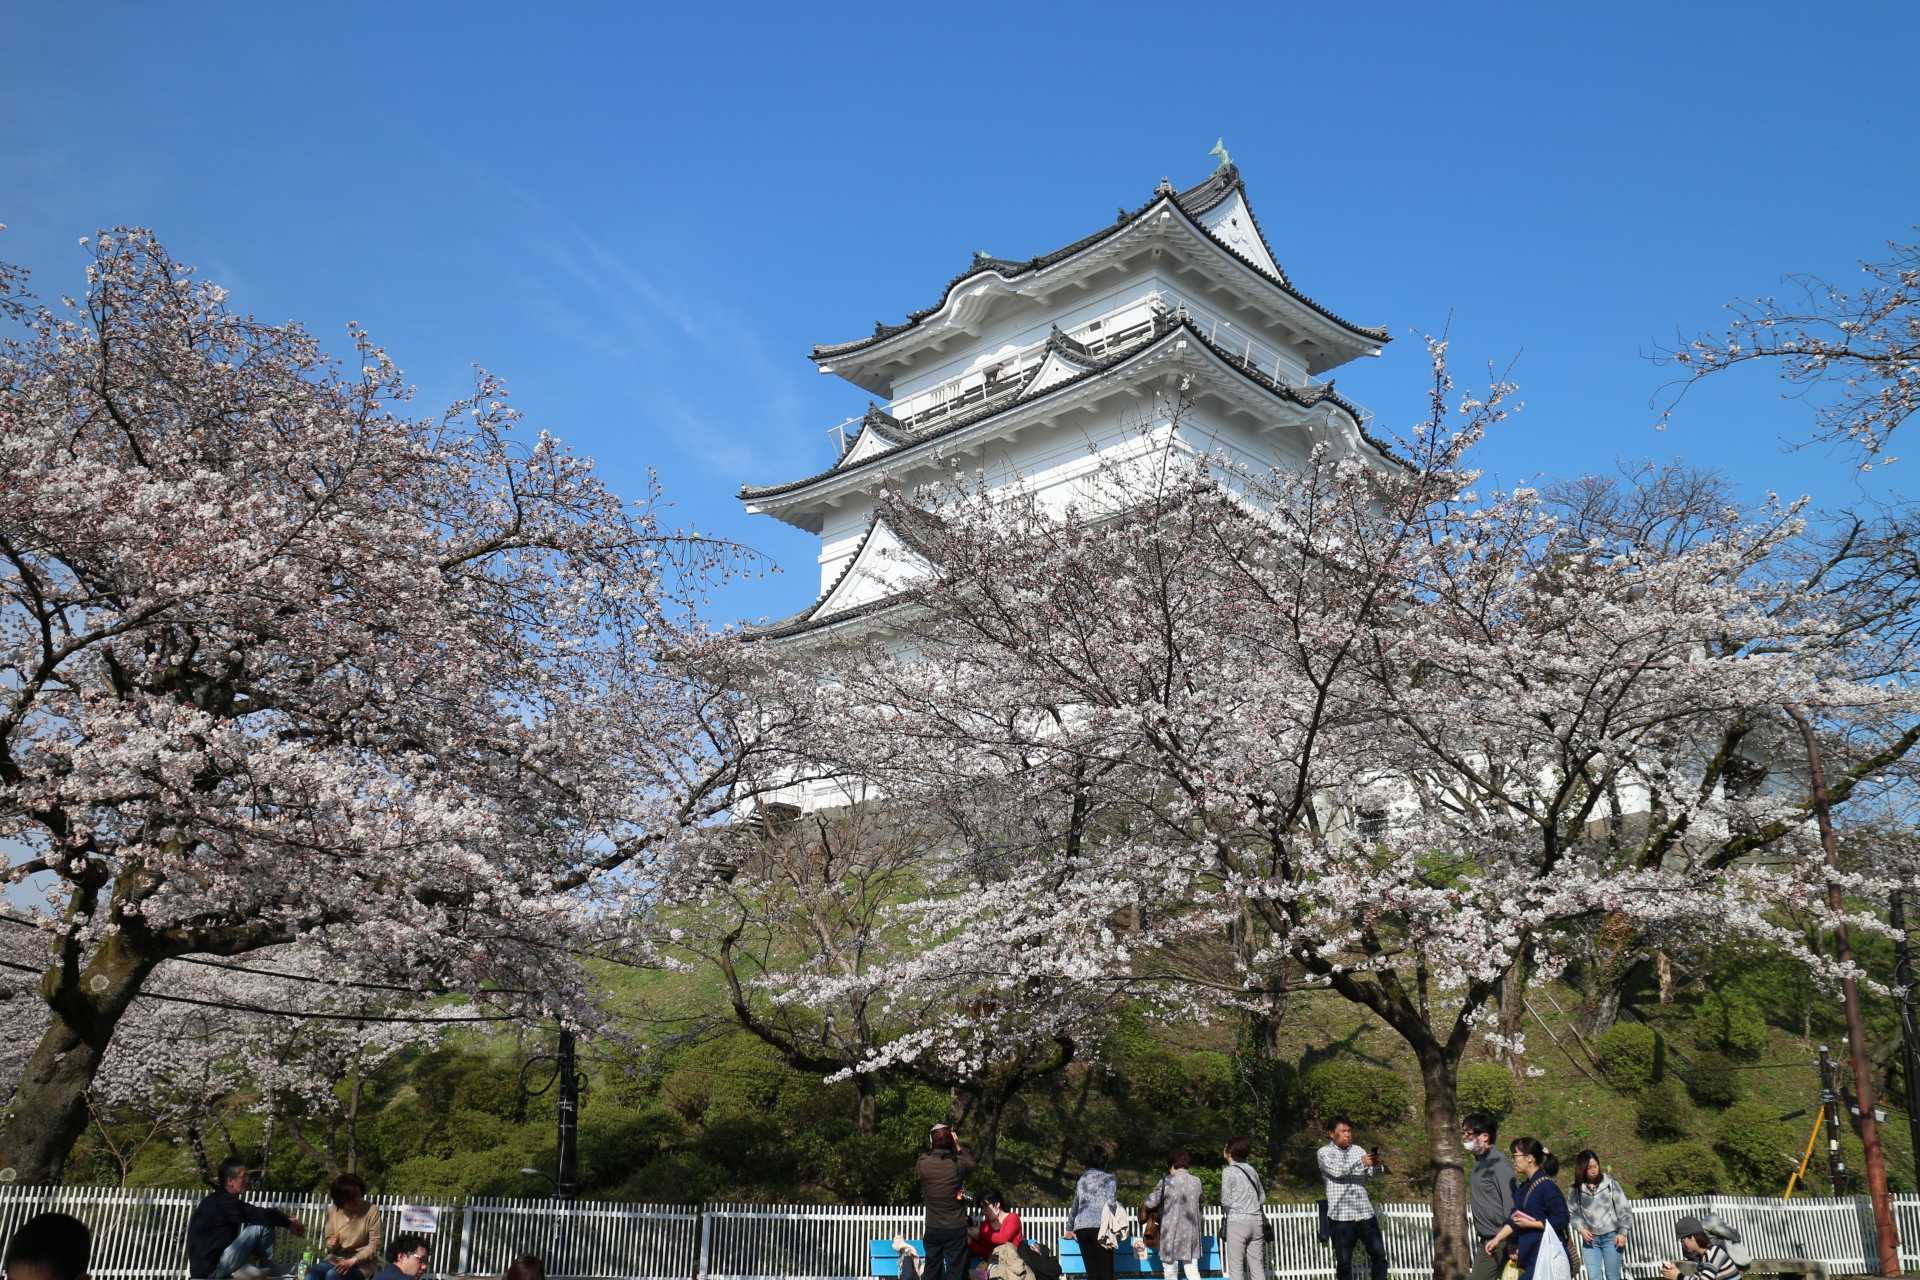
(1039, 1259)
(1325, 1233)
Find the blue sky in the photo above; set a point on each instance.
(643, 216)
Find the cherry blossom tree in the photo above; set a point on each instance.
(280, 662)
(799, 915)
(1356, 728)
(207, 1043)
(1856, 353)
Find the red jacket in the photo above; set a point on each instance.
(990, 1237)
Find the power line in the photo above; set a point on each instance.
(235, 1007)
(300, 977)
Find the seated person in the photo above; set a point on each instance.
(50, 1246)
(407, 1258)
(998, 1240)
(1706, 1256)
(226, 1236)
(352, 1240)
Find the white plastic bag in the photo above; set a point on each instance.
(1553, 1262)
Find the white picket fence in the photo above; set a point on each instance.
(139, 1234)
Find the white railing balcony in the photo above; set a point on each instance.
(1113, 331)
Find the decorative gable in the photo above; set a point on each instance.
(865, 445)
(1231, 222)
(881, 566)
(1055, 369)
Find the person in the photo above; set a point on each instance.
(407, 1258)
(50, 1246)
(1489, 1191)
(226, 1236)
(1093, 1198)
(997, 1240)
(1707, 1257)
(942, 1173)
(1538, 1206)
(528, 1266)
(1345, 1168)
(1177, 1200)
(1243, 1199)
(352, 1239)
(1600, 1213)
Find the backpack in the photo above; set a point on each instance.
(1040, 1260)
(1729, 1237)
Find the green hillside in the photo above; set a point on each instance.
(1713, 1090)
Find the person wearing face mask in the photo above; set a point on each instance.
(1489, 1191)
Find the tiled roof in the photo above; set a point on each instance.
(1164, 326)
(1193, 202)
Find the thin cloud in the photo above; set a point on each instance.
(604, 302)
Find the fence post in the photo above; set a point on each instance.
(706, 1244)
(466, 1233)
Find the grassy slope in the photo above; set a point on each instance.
(1561, 1101)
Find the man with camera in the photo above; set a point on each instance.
(942, 1173)
(1345, 1168)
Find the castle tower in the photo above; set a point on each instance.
(1020, 364)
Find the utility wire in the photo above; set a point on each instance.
(301, 977)
(291, 1013)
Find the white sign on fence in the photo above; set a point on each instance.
(421, 1219)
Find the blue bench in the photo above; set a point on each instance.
(1127, 1263)
(886, 1259)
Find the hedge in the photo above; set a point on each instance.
(1365, 1095)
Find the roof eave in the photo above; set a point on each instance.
(848, 358)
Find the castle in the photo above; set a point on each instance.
(1033, 370)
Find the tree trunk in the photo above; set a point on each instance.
(50, 1106)
(1885, 1232)
(353, 1115)
(1452, 1250)
(992, 1107)
(1513, 1016)
(867, 1090)
(1263, 1080)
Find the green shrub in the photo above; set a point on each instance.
(1663, 1113)
(1732, 1023)
(1629, 1056)
(1757, 1149)
(1677, 1169)
(1714, 1083)
(1485, 1086)
(1367, 1096)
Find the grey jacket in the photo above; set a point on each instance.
(1242, 1194)
(1178, 1200)
(1602, 1210)
(1490, 1193)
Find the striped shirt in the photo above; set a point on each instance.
(1718, 1264)
(1346, 1172)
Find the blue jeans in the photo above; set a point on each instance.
(254, 1243)
(323, 1270)
(1602, 1258)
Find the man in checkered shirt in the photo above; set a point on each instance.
(1346, 1169)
